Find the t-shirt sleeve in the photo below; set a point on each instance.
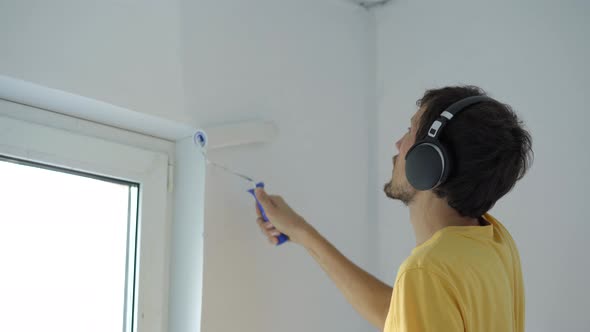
(423, 301)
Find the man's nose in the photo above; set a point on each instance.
(398, 144)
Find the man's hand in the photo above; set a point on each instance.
(282, 219)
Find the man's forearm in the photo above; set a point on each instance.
(368, 295)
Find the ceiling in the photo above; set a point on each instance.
(368, 3)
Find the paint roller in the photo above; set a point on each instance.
(235, 135)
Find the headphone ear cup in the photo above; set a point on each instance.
(425, 165)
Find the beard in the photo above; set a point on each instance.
(405, 194)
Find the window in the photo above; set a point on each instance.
(68, 247)
(84, 231)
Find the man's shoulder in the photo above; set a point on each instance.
(462, 247)
(447, 250)
(432, 255)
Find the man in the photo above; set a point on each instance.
(464, 273)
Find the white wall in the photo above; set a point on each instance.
(126, 53)
(305, 64)
(534, 56)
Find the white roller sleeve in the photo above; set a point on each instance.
(241, 133)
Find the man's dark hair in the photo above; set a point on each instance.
(489, 147)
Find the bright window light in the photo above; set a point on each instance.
(67, 250)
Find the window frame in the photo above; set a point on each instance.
(57, 140)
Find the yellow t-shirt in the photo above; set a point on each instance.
(464, 278)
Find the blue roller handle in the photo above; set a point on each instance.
(282, 237)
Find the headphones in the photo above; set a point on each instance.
(428, 163)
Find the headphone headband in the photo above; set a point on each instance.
(452, 111)
(460, 105)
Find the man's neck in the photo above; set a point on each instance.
(429, 214)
